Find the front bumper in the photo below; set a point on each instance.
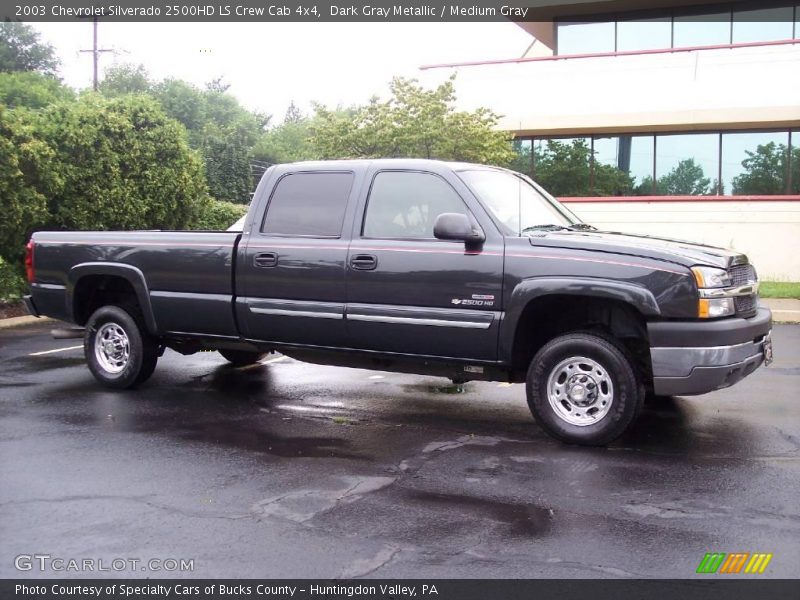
(697, 357)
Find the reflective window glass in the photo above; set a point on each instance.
(687, 164)
(623, 165)
(755, 163)
(702, 30)
(644, 34)
(763, 25)
(585, 38)
(309, 204)
(562, 166)
(522, 161)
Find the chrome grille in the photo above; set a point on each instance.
(742, 274)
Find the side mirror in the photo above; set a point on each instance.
(457, 226)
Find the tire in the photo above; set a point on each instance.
(241, 358)
(134, 354)
(582, 389)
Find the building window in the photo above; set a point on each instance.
(755, 163)
(679, 164)
(763, 25)
(644, 34)
(687, 165)
(585, 38)
(706, 25)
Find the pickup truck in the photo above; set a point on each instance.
(450, 269)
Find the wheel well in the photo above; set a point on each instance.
(549, 316)
(93, 291)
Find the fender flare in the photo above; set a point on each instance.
(131, 274)
(528, 290)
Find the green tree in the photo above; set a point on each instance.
(765, 171)
(565, 169)
(122, 163)
(125, 79)
(414, 122)
(22, 50)
(27, 179)
(219, 215)
(685, 179)
(31, 90)
(293, 114)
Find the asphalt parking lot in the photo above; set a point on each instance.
(295, 470)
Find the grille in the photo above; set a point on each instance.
(745, 305)
(742, 274)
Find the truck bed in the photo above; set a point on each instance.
(188, 274)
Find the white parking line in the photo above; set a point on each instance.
(54, 351)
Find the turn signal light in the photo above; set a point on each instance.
(29, 271)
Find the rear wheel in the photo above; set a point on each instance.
(241, 358)
(582, 389)
(119, 352)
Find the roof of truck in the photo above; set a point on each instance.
(397, 163)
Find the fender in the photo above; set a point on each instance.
(131, 274)
(527, 290)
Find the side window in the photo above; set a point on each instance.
(405, 205)
(311, 204)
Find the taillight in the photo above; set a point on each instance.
(29, 262)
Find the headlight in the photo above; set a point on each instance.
(711, 308)
(709, 277)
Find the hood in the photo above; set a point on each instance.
(676, 251)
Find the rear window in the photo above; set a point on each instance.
(309, 204)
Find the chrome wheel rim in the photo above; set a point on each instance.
(580, 391)
(112, 348)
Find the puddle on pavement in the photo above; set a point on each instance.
(521, 519)
(432, 388)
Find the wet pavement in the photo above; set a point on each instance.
(296, 470)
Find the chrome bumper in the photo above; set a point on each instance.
(692, 371)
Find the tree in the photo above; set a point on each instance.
(26, 180)
(765, 171)
(31, 90)
(565, 169)
(122, 164)
(22, 50)
(293, 114)
(685, 179)
(414, 122)
(125, 79)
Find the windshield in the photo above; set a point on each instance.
(519, 204)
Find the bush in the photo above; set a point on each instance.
(12, 283)
(219, 215)
(122, 164)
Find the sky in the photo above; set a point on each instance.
(269, 65)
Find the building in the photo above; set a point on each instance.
(676, 118)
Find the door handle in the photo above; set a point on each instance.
(265, 259)
(363, 262)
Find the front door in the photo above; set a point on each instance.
(408, 292)
(293, 272)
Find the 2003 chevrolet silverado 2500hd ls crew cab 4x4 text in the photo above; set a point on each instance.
(458, 270)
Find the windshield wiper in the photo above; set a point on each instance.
(582, 227)
(548, 227)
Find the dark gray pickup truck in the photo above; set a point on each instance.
(458, 270)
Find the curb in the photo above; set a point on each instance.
(19, 321)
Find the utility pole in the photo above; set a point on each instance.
(95, 53)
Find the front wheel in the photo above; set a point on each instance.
(118, 350)
(582, 389)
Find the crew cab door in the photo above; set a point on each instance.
(291, 276)
(408, 292)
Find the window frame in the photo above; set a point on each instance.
(304, 235)
(368, 199)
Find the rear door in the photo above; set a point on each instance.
(410, 293)
(292, 271)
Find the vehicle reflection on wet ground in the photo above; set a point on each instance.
(290, 469)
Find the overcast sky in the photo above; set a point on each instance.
(268, 64)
